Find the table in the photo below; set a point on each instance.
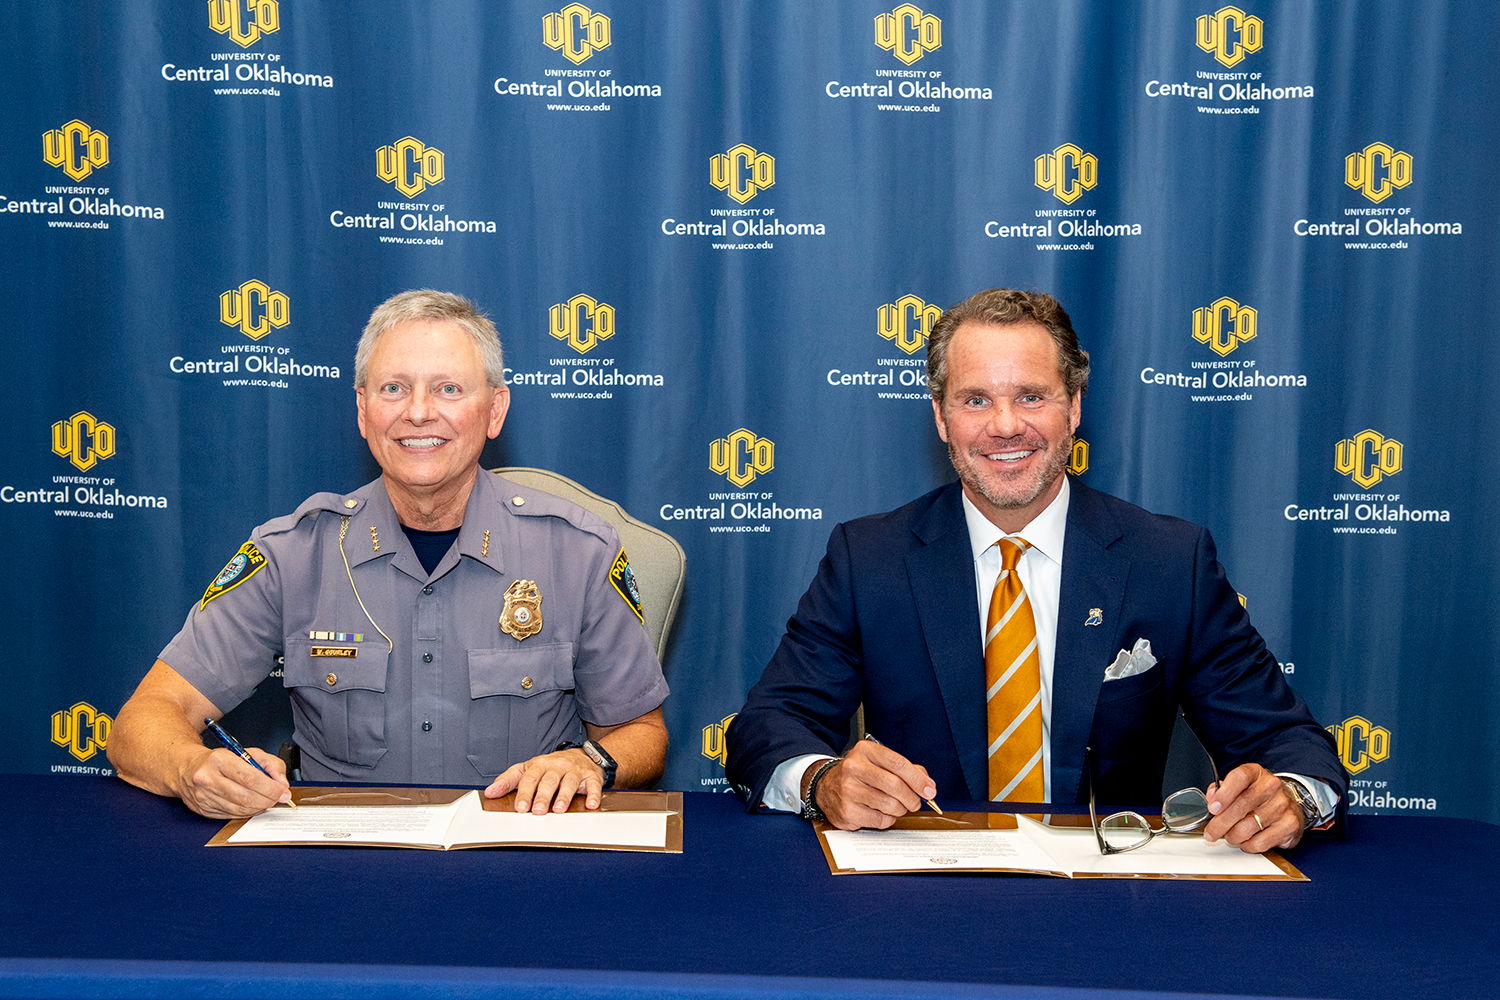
(107, 891)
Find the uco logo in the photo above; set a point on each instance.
(82, 730)
(410, 165)
(1224, 325)
(908, 33)
(1078, 457)
(714, 747)
(1367, 457)
(255, 308)
(741, 456)
(907, 322)
(76, 148)
(576, 32)
(1067, 172)
(83, 440)
(1229, 34)
(742, 172)
(1361, 743)
(244, 21)
(582, 321)
(1377, 170)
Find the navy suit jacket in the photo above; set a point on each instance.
(891, 622)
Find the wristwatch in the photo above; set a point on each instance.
(598, 755)
(1304, 800)
(601, 756)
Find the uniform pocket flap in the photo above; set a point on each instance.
(335, 666)
(522, 670)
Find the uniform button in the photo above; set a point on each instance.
(332, 679)
(426, 727)
(526, 683)
(351, 504)
(427, 589)
(518, 501)
(426, 657)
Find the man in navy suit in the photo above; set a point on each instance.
(1134, 618)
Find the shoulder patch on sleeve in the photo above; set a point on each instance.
(624, 584)
(242, 566)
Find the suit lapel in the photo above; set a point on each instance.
(942, 580)
(1093, 579)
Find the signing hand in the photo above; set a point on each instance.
(1253, 811)
(218, 784)
(550, 781)
(873, 786)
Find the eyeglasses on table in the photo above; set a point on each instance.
(1184, 811)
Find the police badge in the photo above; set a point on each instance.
(522, 615)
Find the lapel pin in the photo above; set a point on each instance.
(1096, 617)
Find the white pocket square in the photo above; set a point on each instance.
(1128, 664)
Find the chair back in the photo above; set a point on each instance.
(658, 562)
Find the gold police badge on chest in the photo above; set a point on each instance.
(522, 615)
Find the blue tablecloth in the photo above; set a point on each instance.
(107, 891)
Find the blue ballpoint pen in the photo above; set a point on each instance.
(235, 748)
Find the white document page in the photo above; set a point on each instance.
(935, 850)
(1077, 851)
(621, 829)
(1035, 847)
(420, 825)
(463, 821)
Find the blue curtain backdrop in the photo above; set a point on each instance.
(712, 235)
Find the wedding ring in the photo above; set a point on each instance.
(1257, 820)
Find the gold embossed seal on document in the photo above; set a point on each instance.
(522, 615)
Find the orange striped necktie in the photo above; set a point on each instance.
(1013, 685)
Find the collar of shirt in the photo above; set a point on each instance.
(1040, 568)
(376, 531)
(1044, 532)
(479, 537)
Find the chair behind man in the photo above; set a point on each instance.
(658, 561)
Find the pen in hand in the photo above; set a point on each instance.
(930, 804)
(239, 751)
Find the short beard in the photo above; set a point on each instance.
(1022, 494)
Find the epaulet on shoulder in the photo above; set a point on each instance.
(318, 503)
(524, 501)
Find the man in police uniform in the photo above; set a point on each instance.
(440, 625)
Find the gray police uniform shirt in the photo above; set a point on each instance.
(452, 699)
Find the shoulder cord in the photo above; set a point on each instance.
(343, 530)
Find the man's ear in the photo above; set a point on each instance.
(499, 407)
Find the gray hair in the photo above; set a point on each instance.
(426, 304)
(1004, 307)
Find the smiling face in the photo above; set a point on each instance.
(1007, 419)
(426, 411)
